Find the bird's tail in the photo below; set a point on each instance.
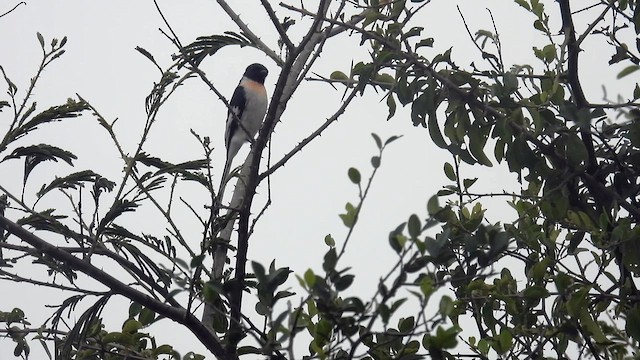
(223, 184)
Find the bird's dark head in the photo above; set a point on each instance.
(256, 72)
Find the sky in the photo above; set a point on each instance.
(102, 66)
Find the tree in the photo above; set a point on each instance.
(558, 281)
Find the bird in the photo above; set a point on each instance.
(248, 105)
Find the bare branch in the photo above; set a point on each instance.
(174, 313)
(250, 34)
(15, 7)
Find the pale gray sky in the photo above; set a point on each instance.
(102, 66)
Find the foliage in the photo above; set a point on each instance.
(557, 281)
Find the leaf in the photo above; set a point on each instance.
(535, 292)
(385, 81)
(523, 3)
(344, 282)
(477, 139)
(406, 325)
(338, 75)
(467, 183)
(433, 206)
(632, 326)
(329, 240)
(505, 339)
(40, 39)
(628, 70)
(449, 172)
(375, 161)
(434, 132)
(204, 46)
(392, 139)
(428, 42)
(376, 138)
(167, 167)
(118, 208)
(414, 226)
(354, 175)
(74, 180)
(592, 327)
(146, 54)
(36, 154)
(147, 316)
(446, 306)
(391, 104)
(330, 260)
(309, 278)
(197, 260)
(131, 326)
(349, 219)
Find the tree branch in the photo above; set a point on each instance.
(249, 34)
(175, 313)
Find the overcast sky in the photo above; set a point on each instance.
(102, 66)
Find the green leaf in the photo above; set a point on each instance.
(118, 208)
(349, 219)
(632, 326)
(592, 327)
(535, 292)
(434, 132)
(505, 339)
(36, 154)
(376, 138)
(328, 239)
(426, 287)
(354, 175)
(391, 104)
(244, 350)
(385, 81)
(428, 42)
(449, 172)
(147, 316)
(330, 260)
(432, 205)
(71, 109)
(414, 226)
(197, 260)
(392, 139)
(628, 70)
(375, 161)
(40, 39)
(344, 282)
(134, 309)
(204, 46)
(467, 183)
(478, 136)
(131, 326)
(406, 325)
(578, 301)
(446, 306)
(338, 75)
(75, 180)
(523, 3)
(309, 278)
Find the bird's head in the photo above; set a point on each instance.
(256, 72)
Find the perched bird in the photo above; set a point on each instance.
(248, 105)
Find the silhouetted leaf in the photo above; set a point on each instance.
(74, 180)
(36, 154)
(56, 113)
(118, 208)
(204, 46)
